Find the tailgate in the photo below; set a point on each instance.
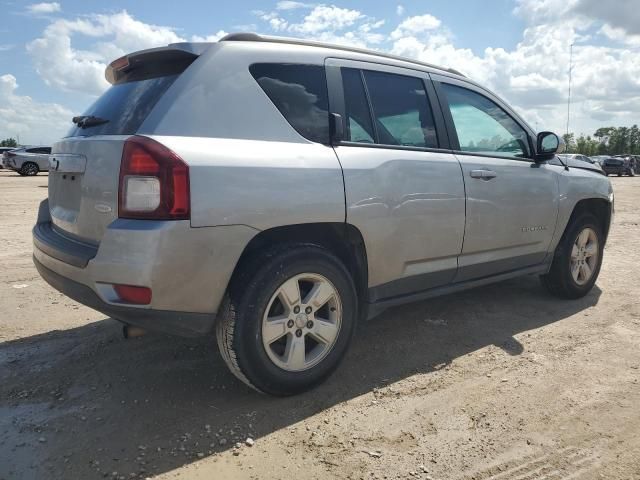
(83, 185)
(84, 168)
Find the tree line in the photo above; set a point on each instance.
(606, 141)
(8, 142)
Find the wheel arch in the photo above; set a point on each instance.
(342, 239)
(598, 207)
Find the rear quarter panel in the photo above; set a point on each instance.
(247, 164)
(260, 184)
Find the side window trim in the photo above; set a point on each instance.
(374, 124)
(454, 143)
(335, 86)
(444, 139)
(438, 80)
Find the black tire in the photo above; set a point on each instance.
(619, 174)
(29, 169)
(239, 324)
(559, 281)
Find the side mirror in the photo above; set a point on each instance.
(548, 145)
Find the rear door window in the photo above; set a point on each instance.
(299, 92)
(126, 106)
(401, 110)
(41, 150)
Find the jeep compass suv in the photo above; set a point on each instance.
(278, 191)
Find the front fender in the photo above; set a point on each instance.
(575, 186)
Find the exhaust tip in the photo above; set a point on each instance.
(130, 331)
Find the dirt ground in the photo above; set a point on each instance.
(503, 382)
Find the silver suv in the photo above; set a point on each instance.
(279, 191)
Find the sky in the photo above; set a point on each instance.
(53, 54)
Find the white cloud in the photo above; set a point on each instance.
(415, 25)
(621, 14)
(82, 70)
(209, 38)
(290, 5)
(399, 10)
(32, 121)
(43, 8)
(328, 24)
(276, 22)
(323, 18)
(620, 35)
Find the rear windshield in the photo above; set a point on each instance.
(125, 105)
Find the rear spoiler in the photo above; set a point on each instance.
(154, 62)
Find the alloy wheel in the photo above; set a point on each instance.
(302, 322)
(584, 256)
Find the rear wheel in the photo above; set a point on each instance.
(577, 260)
(286, 325)
(29, 169)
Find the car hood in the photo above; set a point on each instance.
(572, 163)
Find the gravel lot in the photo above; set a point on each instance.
(503, 382)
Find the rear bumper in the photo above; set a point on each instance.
(186, 268)
(184, 324)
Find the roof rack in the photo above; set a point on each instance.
(254, 37)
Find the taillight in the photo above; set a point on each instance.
(154, 182)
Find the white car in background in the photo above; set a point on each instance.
(577, 156)
(27, 161)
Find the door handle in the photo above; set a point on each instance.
(483, 174)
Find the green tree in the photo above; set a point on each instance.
(634, 140)
(9, 142)
(569, 139)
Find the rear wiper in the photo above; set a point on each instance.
(86, 121)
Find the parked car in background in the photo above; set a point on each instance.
(2, 150)
(27, 161)
(600, 158)
(620, 165)
(280, 191)
(577, 156)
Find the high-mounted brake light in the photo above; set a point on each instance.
(154, 182)
(120, 63)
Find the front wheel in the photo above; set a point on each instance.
(286, 325)
(577, 260)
